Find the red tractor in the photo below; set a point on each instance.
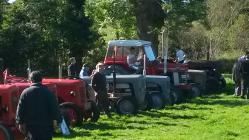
(9, 96)
(116, 57)
(76, 98)
(8, 104)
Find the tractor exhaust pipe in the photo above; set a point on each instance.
(144, 69)
(60, 69)
(29, 68)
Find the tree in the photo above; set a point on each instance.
(113, 19)
(43, 31)
(227, 20)
(149, 18)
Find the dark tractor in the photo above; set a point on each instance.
(207, 74)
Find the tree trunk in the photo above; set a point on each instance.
(149, 16)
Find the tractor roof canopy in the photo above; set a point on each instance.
(128, 43)
(122, 48)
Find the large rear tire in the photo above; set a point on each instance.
(157, 101)
(72, 113)
(195, 91)
(126, 105)
(146, 105)
(5, 133)
(212, 85)
(176, 96)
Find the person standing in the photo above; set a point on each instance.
(98, 81)
(180, 56)
(37, 111)
(237, 73)
(72, 68)
(236, 76)
(131, 57)
(84, 72)
(244, 78)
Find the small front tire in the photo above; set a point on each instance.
(5, 133)
(126, 105)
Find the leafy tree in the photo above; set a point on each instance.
(186, 25)
(43, 31)
(227, 20)
(113, 19)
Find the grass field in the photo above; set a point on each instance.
(211, 117)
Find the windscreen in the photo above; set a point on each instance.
(149, 52)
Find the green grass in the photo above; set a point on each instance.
(211, 117)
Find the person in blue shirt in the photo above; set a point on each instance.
(84, 72)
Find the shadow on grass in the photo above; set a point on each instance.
(158, 114)
(73, 134)
(101, 126)
(187, 107)
(224, 102)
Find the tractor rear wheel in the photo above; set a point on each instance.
(146, 105)
(195, 91)
(5, 133)
(72, 113)
(177, 95)
(157, 101)
(212, 85)
(126, 105)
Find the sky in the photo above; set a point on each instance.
(11, 1)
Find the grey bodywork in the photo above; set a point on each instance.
(140, 86)
(163, 82)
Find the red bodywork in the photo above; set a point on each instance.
(8, 104)
(153, 68)
(118, 50)
(69, 90)
(9, 97)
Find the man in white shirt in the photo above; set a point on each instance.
(180, 56)
(132, 61)
(131, 58)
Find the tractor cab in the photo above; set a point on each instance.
(118, 50)
(117, 53)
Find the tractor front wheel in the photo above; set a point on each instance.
(5, 133)
(72, 113)
(126, 105)
(195, 91)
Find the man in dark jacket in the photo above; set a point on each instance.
(244, 79)
(72, 69)
(98, 82)
(37, 111)
(236, 76)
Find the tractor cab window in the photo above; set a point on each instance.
(149, 52)
(119, 51)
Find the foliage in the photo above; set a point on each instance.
(45, 31)
(227, 20)
(185, 25)
(113, 19)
